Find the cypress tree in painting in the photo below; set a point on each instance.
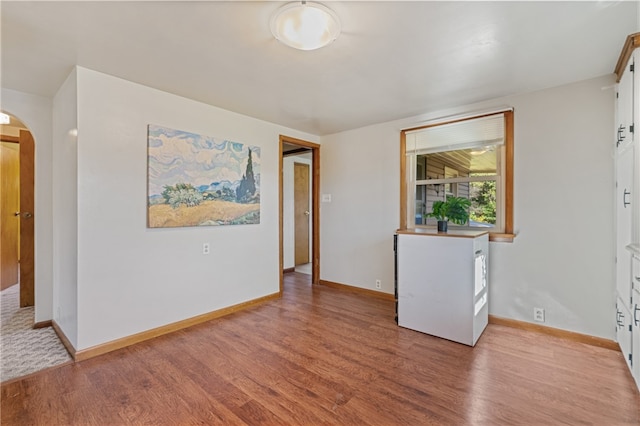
(247, 188)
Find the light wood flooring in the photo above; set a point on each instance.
(322, 355)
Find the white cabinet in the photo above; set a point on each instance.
(442, 283)
(624, 220)
(635, 320)
(624, 331)
(625, 106)
(635, 351)
(627, 213)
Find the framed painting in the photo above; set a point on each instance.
(195, 180)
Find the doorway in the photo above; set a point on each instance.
(302, 215)
(17, 263)
(27, 346)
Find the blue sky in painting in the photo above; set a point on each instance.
(176, 156)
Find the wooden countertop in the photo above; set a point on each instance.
(457, 233)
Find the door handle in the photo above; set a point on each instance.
(636, 321)
(624, 198)
(620, 135)
(620, 319)
(307, 213)
(16, 214)
(27, 215)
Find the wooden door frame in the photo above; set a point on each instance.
(315, 205)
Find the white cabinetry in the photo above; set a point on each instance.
(624, 332)
(635, 317)
(627, 228)
(442, 283)
(624, 220)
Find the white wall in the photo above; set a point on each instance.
(562, 258)
(288, 206)
(360, 169)
(65, 208)
(131, 278)
(35, 113)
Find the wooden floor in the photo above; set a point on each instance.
(327, 356)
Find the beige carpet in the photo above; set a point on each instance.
(24, 350)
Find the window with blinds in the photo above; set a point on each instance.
(463, 158)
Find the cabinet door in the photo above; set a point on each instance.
(624, 331)
(624, 110)
(635, 320)
(635, 338)
(624, 220)
(635, 278)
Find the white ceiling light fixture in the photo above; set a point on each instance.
(305, 25)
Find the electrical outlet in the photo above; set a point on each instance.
(206, 249)
(378, 284)
(538, 314)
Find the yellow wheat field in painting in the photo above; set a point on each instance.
(212, 212)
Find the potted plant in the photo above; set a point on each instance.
(454, 209)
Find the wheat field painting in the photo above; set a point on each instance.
(196, 180)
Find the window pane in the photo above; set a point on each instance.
(421, 167)
(464, 162)
(483, 204)
(421, 205)
(451, 189)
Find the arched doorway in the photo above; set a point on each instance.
(24, 349)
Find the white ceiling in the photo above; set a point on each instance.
(392, 60)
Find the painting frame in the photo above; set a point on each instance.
(196, 180)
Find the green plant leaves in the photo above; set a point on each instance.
(454, 209)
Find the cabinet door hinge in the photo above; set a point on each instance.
(630, 329)
(632, 67)
(631, 358)
(631, 128)
(616, 95)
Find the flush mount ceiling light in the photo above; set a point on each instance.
(305, 25)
